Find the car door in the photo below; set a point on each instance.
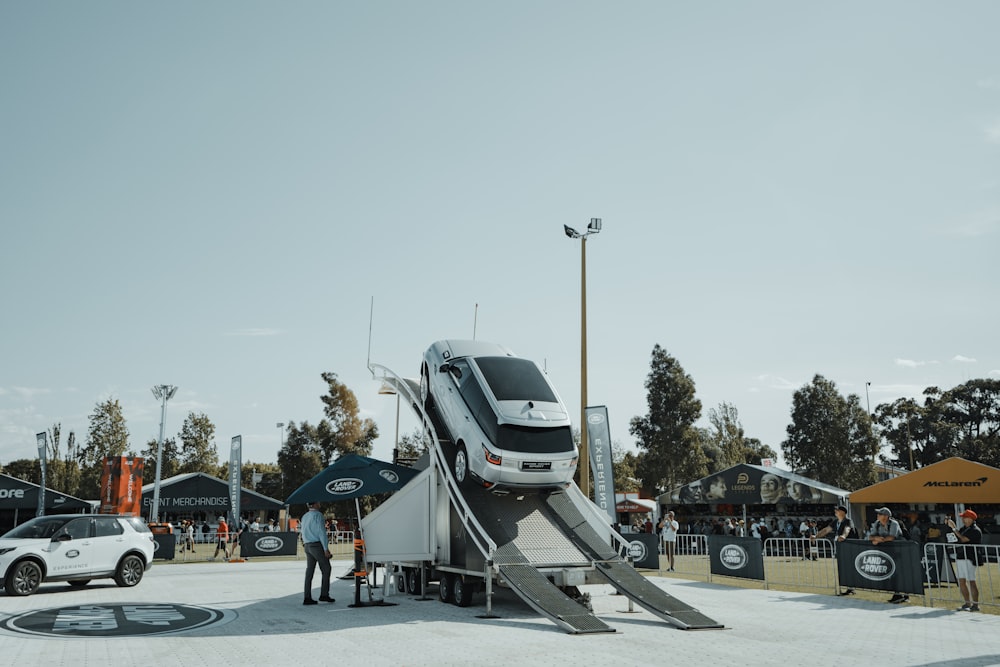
(71, 552)
(109, 543)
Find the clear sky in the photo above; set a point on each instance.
(211, 194)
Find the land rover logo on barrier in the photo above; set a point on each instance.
(269, 543)
(875, 565)
(339, 487)
(389, 476)
(595, 419)
(734, 557)
(637, 551)
(119, 619)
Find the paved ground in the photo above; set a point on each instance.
(266, 624)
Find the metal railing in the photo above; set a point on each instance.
(800, 562)
(941, 582)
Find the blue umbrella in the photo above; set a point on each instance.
(353, 476)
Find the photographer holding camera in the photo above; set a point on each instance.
(966, 559)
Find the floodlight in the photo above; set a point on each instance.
(570, 232)
(594, 226)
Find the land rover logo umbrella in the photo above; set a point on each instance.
(353, 476)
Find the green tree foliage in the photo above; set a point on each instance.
(170, 460)
(343, 431)
(198, 450)
(670, 449)
(624, 464)
(300, 459)
(411, 446)
(26, 469)
(107, 436)
(62, 469)
(830, 438)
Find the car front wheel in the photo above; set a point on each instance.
(425, 388)
(461, 464)
(129, 571)
(24, 579)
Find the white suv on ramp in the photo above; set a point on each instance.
(74, 548)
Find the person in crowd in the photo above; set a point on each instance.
(886, 529)
(272, 526)
(648, 526)
(316, 542)
(966, 557)
(255, 526)
(807, 531)
(669, 535)
(839, 529)
(189, 536)
(222, 537)
(241, 527)
(755, 529)
(716, 488)
(741, 528)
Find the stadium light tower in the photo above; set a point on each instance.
(593, 228)
(164, 392)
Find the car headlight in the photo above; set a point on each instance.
(6, 550)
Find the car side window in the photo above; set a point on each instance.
(108, 526)
(479, 406)
(78, 529)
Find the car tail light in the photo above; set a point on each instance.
(495, 459)
(572, 464)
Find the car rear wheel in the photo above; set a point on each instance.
(425, 388)
(79, 583)
(24, 579)
(461, 464)
(129, 571)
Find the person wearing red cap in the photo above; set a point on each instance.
(966, 559)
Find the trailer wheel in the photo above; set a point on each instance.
(413, 581)
(401, 581)
(444, 587)
(461, 591)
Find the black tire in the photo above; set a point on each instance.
(413, 581)
(462, 591)
(461, 466)
(401, 582)
(425, 388)
(23, 579)
(444, 588)
(130, 571)
(79, 583)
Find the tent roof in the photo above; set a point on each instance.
(200, 491)
(28, 498)
(742, 486)
(953, 480)
(646, 503)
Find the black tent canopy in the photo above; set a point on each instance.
(747, 484)
(21, 495)
(199, 492)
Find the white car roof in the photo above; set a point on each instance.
(473, 348)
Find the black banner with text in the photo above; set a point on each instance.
(732, 556)
(892, 566)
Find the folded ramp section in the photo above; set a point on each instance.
(623, 576)
(545, 598)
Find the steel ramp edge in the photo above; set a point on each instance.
(622, 576)
(544, 597)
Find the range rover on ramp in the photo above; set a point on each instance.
(508, 424)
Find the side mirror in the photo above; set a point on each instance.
(62, 537)
(444, 368)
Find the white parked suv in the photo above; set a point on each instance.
(74, 548)
(508, 424)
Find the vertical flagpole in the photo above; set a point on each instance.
(42, 441)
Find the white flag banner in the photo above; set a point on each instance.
(599, 437)
(235, 466)
(42, 439)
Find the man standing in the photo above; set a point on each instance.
(966, 559)
(841, 529)
(317, 547)
(670, 529)
(886, 529)
(222, 533)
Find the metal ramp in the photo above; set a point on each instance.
(623, 576)
(545, 598)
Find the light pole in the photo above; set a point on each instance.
(281, 439)
(388, 390)
(164, 392)
(869, 404)
(593, 228)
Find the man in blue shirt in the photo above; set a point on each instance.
(317, 547)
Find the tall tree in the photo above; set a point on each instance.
(26, 469)
(170, 460)
(198, 450)
(830, 438)
(300, 459)
(108, 436)
(63, 470)
(623, 465)
(670, 452)
(343, 431)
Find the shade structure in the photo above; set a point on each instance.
(953, 480)
(199, 492)
(21, 495)
(755, 485)
(353, 476)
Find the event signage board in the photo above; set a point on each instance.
(121, 485)
(753, 485)
(599, 439)
(164, 546)
(268, 544)
(235, 467)
(732, 556)
(42, 441)
(644, 550)
(890, 566)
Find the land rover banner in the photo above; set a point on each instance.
(268, 544)
(599, 439)
(732, 556)
(892, 566)
(42, 439)
(235, 466)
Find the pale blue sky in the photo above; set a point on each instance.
(210, 195)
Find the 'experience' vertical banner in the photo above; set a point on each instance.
(42, 439)
(599, 435)
(235, 466)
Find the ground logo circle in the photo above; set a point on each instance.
(119, 619)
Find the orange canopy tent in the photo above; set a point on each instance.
(953, 480)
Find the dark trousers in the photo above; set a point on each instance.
(316, 554)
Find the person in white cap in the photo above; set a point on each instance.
(886, 529)
(966, 559)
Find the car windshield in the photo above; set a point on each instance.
(530, 440)
(513, 379)
(42, 527)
